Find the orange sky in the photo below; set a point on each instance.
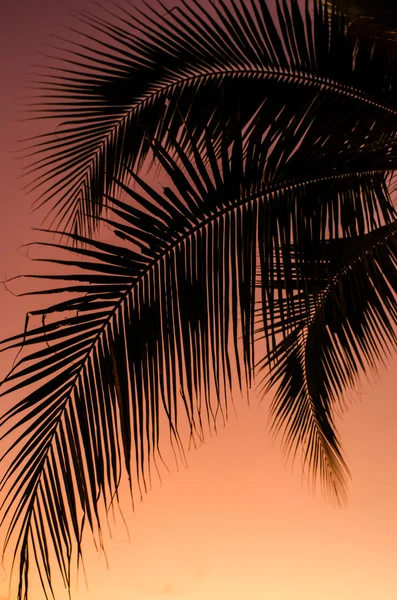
(235, 524)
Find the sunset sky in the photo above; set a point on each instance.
(237, 523)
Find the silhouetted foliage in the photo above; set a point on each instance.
(267, 247)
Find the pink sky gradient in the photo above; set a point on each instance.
(236, 524)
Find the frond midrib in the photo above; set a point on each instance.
(288, 75)
(164, 87)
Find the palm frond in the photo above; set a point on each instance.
(278, 136)
(337, 322)
(133, 77)
(145, 337)
(160, 327)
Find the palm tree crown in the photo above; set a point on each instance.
(266, 248)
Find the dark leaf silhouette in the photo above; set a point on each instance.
(164, 74)
(267, 244)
